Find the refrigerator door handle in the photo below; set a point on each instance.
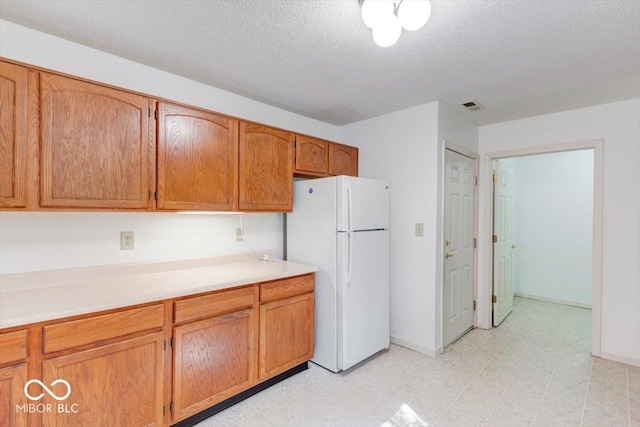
(349, 263)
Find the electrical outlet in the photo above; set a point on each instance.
(239, 235)
(127, 240)
(419, 229)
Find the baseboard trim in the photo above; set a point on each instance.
(622, 359)
(415, 347)
(555, 300)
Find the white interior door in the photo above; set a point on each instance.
(459, 232)
(502, 242)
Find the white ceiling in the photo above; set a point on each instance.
(317, 58)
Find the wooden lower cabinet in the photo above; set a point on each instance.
(13, 413)
(286, 334)
(120, 384)
(120, 367)
(214, 359)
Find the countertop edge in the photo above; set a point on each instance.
(32, 318)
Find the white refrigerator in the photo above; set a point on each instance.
(341, 225)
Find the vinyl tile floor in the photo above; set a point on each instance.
(535, 369)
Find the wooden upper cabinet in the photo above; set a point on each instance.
(312, 155)
(197, 159)
(343, 160)
(95, 146)
(13, 135)
(266, 168)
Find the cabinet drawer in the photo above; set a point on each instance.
(13, 346)
(286, 288)
(210, 305)
(99, 328)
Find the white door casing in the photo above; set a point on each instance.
(459, 251)
(502, 242)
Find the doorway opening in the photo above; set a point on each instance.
(544, 225)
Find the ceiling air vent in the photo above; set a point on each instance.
(472, 105)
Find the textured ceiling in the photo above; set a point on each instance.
(317, 58)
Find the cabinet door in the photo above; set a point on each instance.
(116, 385)
(312, 155)
(343, 160)
(266, 168)
(13, 412)
(286, 334)
(197, 159)
(13, 135)
(213, 360)
(95, 145)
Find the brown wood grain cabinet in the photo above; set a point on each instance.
(343, 160)
(266, 168)
(12, 382)
(71, 144)
(158, 363)
(13, 346)
(197, 159)
(312, 155)
(13, 135)
(214, 359)
(13, 377)
(317, 158)
(120, 384)
(286, 328)
(95, 146)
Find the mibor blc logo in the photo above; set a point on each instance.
(60, 408)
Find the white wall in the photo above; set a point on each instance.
(457, 129)
(553, 225)
(618, 124)
(401, 148)
(36, 241)
(404, 149)
(36, 48)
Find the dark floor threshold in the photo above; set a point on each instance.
(219, 407)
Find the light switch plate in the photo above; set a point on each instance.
(239, 235)
(419, 229)
(127, 240)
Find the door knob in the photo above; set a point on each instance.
(513, 246)
(447, 255)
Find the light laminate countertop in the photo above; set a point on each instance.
(35, 297)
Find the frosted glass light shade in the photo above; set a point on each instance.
(413, 14)
(387, 32)
(375, 11)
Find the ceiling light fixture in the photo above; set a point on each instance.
(387, 18)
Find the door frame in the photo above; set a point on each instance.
(447, 145)
(597, 146)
